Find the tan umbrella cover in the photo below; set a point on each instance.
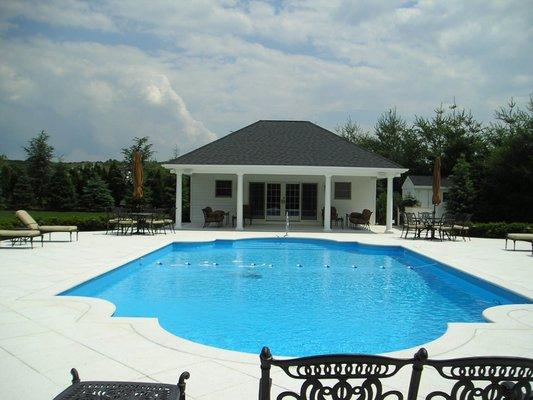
(137, 176)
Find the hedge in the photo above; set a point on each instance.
(498, 229)
(85, 221)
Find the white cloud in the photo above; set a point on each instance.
(188, 69)
(100, 95)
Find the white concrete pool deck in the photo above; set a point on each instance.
(42, 336)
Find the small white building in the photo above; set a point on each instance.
(282, 167)
(420, 188)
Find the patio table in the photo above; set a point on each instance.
(140, 218)
(122, 390)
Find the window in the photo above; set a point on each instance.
(223, 189)
(343, 190)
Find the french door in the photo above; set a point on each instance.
(283, 198)
(273, 200)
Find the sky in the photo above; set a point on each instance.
(96, 74)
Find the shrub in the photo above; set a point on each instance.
(498, 229)
(84, 221)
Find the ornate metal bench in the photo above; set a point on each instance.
(100, 390)
(366, 377)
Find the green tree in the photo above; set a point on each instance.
(62, 194)
(508, 173)
(461, 194)
(143, 146)
(39, 162)
(352, 132)
(116, 181)
(449, 134)
(96, 195)
(22, 191)
(398, 142)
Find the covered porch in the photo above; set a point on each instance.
(263, 197)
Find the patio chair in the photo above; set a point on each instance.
(363, 218)
(412, 223)
(20, 235)
(122, 390)
(125, 223)
(445, 228)
(246, 215)
(157, 222)
(338, 376)
(461, 225)
(30, 223)
(112, 217)
(334, 217)
(210, 216)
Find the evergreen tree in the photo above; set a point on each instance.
(352, 132)
(508, 172)
(39, 163)
(96, 195)
(62, 195)
(461, 193)
(22, 191)
(143, 146)
(116, 181)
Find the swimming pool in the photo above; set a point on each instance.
(298, 296)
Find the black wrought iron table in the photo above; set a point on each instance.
(141, 219)
(100, 390)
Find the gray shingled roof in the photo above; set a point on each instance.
(299, 143)
(426, 180)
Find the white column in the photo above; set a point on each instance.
(179, 200)
(327, 204)
(240, 202)
(389, 205)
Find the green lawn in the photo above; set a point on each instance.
(86, 221)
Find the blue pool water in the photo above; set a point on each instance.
(298, 296)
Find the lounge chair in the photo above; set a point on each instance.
(363, 218)
(30, 223)
(20, 235)
(210, 216)
(521, 237)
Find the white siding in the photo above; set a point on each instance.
(203, 193)
(424, 195)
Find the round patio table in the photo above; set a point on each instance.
(141, 218)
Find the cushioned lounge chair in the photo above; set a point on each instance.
(30, 223)
(20, 235)
(521, 237)
(363, 218)
(216, 216)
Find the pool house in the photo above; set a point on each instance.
(271, 170)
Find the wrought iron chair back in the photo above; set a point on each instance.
(341, 377)
(364, 377)
(484, 378)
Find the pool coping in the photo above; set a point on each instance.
(456, 335)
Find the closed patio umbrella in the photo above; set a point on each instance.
(137, 176)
